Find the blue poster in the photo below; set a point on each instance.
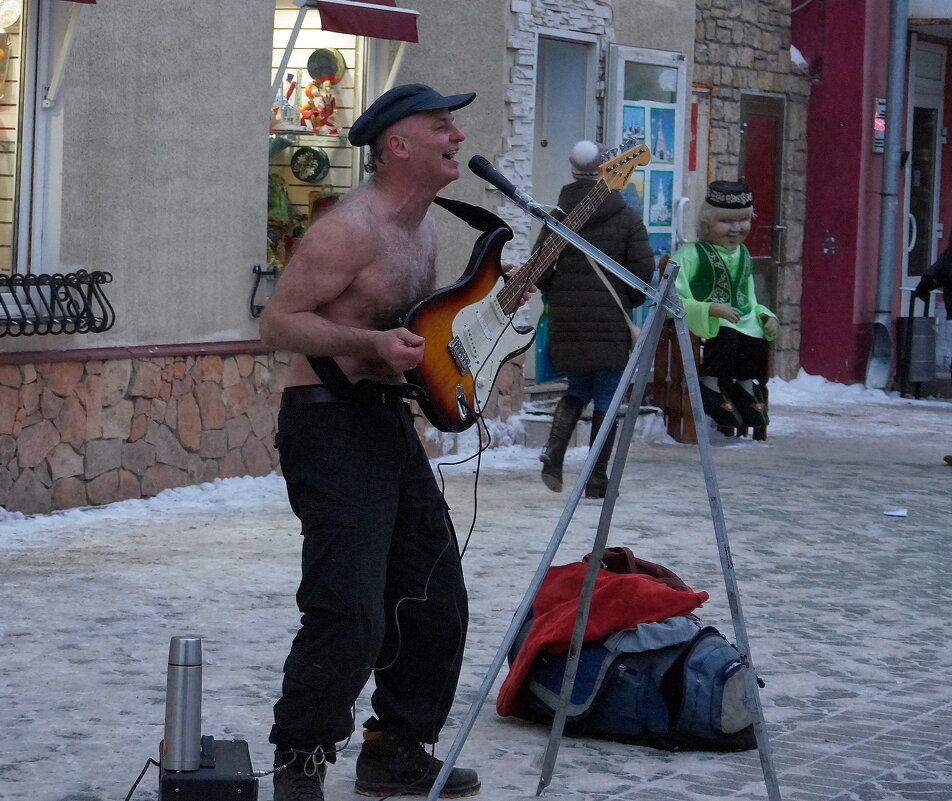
(660, 197)
(632, 126)
(660, 245)
(662, 135)
(634, 193)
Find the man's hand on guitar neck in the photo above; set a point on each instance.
(527, 292)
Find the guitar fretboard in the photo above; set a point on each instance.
(543, 258)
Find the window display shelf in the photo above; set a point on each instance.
(320, 139)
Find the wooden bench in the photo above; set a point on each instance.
(670, 394)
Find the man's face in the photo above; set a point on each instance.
(728, 233)
(432, 141)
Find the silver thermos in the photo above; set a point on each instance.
(181, 748)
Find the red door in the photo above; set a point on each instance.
(760, 163)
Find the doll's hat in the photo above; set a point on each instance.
(729, 195)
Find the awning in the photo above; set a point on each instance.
(62, 53)
(381, 19)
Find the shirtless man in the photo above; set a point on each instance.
(382, 587)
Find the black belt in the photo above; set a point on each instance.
(375, 395)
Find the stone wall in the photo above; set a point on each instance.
(94, 431)
(743, 46)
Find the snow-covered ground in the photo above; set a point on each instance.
(843, 597)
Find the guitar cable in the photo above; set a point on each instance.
(485, 439)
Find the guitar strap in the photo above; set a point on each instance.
(474, 216)
(329, 371)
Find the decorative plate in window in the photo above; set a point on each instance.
(10, 11)
(326, 64)
(310, 164)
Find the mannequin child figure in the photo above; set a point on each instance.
(716, 286)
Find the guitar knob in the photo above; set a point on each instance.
(481, 382)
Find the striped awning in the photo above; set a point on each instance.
(380, 19)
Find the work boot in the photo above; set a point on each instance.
(299, 775)
(392, 764)
(598, 481)
(564, 419)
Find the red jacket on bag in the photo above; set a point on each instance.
(619, 601)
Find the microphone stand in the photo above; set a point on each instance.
(635, 377)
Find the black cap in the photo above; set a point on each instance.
(730, 194)
(397, 103)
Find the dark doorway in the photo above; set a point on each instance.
(761, 163)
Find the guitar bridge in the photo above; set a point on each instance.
(458, 352)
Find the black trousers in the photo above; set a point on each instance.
(732, 354)
(382, 586)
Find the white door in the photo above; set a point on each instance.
(565, 111)
(564, 114)
(646, 104)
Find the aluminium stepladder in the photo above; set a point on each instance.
(664, 301)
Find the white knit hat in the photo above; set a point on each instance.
(586, 158)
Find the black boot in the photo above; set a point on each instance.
(598, 481)
(392, 764)
(299, 775)
(564, 419)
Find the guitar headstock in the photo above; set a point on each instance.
(617, 171)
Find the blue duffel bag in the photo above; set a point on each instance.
(687, 693)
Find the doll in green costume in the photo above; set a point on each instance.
(716, 285)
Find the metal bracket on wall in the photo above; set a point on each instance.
(257, 308)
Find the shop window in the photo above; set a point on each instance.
(310, 162)
(15, 55)
(35, 37)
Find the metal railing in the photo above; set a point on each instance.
(56, 303)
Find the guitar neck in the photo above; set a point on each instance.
(543, 258)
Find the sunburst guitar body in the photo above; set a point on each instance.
(468, 326)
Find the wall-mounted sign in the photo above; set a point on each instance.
(879, 126)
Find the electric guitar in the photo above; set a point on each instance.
(468, 325)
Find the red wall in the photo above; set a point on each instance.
(831, 38)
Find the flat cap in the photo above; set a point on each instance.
(397, 103)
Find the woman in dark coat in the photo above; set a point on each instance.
(589, 334)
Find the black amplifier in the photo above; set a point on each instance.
(225, 775)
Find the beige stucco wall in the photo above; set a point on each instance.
(158, 168)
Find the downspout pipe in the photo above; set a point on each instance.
(880, 358)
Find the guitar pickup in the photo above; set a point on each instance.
(460, 357)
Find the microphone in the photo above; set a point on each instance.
(483, 169)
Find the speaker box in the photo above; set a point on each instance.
(225, 775)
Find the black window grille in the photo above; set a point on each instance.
(55, 303)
